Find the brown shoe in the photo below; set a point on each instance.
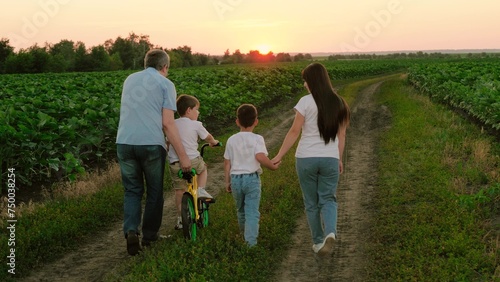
(133, 246)
(327, 247)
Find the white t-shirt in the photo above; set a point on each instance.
(189, 132)
(241, 149)
(311, 144)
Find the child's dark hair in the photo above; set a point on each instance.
(247, 114)
(184, 102)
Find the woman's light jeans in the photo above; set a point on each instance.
(318, 179)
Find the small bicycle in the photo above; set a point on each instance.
(194, 210)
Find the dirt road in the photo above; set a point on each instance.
(106, 250)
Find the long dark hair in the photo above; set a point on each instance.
(332, 109)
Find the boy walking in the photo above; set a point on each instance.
(190, 130)
(244, 154)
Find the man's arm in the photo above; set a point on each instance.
(172, 133)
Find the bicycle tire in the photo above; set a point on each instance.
(203, 213)
(188, 217)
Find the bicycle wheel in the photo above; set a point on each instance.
(188, 217)
(203, 213)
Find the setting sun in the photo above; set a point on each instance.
(263, 49)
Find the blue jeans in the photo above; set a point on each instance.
(139, 163)
(318, 179)
(246, 190)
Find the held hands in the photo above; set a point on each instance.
(276, 160)
(275, 165)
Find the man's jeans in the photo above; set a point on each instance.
(139, 163)
(246, 190)
(318, 179)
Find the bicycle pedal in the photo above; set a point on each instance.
(209, 200)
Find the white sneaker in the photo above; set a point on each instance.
(202, 193)
(317, 247)
(325, 247)
(178, 226)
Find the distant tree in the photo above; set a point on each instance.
(175, 59)
(237, 57)
(269, 57)
(83, 61)
(22, 62)
(100, 59)
(124, 49)
(5, 51)
(185, 55)
(141, 45)
(39, 58)
(200, 59)
(226, 55)
(283, 57)
(131, 50)
(253, 56)
(65, 53)
(57, 63)
(298, 57)
(116, 62)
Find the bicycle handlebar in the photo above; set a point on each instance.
(206, 144)
(187, 176)
(192, 173)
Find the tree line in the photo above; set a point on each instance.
(127, 53)
(412, 55)
(123, 53)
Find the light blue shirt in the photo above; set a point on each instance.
(145, 94)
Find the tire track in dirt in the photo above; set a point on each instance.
(354, 196)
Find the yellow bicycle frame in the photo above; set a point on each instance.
(192, 189)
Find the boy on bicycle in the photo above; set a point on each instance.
(190, 130)
(245, 153)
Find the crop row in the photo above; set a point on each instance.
(56, 125)
(473, 86)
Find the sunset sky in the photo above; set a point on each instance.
(212, 26)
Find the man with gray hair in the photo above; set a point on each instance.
(148, 104)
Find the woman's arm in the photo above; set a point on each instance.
(291, 136)
(341, 136)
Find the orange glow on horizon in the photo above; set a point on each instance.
(264, 49)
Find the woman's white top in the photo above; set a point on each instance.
(311, 144)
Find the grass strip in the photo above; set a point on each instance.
(428, 161)
(58, 226)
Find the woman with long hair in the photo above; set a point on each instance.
(322, 116)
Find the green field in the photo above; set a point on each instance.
(439, 174)
(58, 125)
